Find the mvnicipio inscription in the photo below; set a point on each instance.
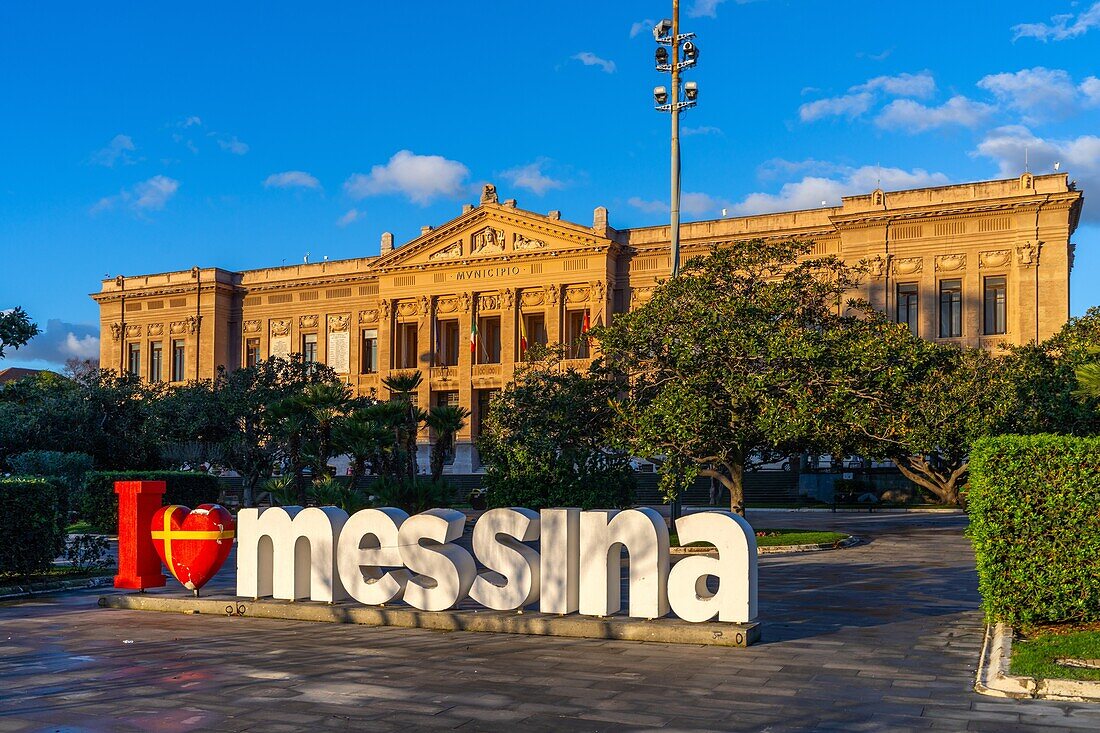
(379, 556)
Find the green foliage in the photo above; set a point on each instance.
(548, 439)
(333, 492)
(747, 356)
(1037, 656)
(31, 525)
(413, 495)
(98, 412)
(1034, 507)
(283, 490)
(445, 421)
(70, 467)
(16, 329)
(87, 552)
(98, 502)
(403, 388)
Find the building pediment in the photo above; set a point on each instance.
(490, 233)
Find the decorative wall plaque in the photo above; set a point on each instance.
(116, 331)
(994, 258)
(338, 322)
(522, 243)
(532, 297)
(1027, 254)
(406, 308)
(446, 305)
(950, 263)
(876, 266)
(577, 294)
(156, 329)
(450, 252)
(252, 326)
(907, 265)
(133, 331)
(177, 328)
(280, 327)
(370, 315)
(307, 322)
(488, 302)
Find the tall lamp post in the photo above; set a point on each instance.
(668, 36)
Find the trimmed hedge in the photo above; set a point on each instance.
(32, 530)
(1034, 505)
(98, 503)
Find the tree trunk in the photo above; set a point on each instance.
(737, 486)
(944, 485)
(439, 454)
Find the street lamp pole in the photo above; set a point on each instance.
(667, 33)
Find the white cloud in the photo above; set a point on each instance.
(233, 145)
(349, 217)
(779, 168)
(920, 85)
(691, 204)
(912, 117)
(532, 177)
(192, 121)
(709, 8)
(1061, 27)
(1090, 87)
(590, 59)
(649, 207)
(810, 191)
(116, 151)
(1036, 91)
(291, 179)
(701, 130)
(1080, 157)
(60, 341)
(641, 26)
(849, 105)
(149, 195)
(420, 177)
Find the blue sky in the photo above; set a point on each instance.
(147, 137)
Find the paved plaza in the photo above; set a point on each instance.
(884, 636)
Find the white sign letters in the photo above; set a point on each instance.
(379, 556)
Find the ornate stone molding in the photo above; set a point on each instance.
(116, 331)
(177, 328)
(907, 265)
(641, 294)
(487, 241)
(599, 292)
(252, 326)
(385, 307)
(522, 243)
(994, 258)
(552, 294)
(532, 297)
(578, 294)
(280, 326)
(307, 321)
(339, 322)
(508, 298)
(446, 304)
(155, 329)
(1027, 254)
(488, 302)
(133, 331)
(406, 308)
(877, 266)
(950, 263)
(450, 252)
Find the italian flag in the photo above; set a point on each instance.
(522, 335)
(473, 336)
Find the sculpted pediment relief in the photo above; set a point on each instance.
(489, 233)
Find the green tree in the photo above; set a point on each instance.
(947, 399)
(366, 435)
(16, 329)
(748, 355)
(446, 421)
(403, 387)
(548, 438)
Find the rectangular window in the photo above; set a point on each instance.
(448, 398)
(156, 361)
(533, 331)
(576, 340)
(251, 352)
(488, 337)
(996, 306)
(484, 398)
(133, 359)
(309, 348)
(179, 353)
(447, 344)
(907, 306)
(950, 308)
(405, 347)
(368, 353)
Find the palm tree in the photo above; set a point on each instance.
(367, 435)
(446, 421)
(403, 387)
(1088, 378)
(324, 403)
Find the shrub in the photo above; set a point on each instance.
(413, 495)
(31, 525)
(87, 552)
(66, 468)
(1034, 505)
(594, 488)
(98, 503)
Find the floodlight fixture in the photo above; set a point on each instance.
(660, 95)
(661, 57)
(691, 91)
(662, 31)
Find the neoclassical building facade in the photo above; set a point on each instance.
(978, 264)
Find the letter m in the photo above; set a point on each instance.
(289, 553)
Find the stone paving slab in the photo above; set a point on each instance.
(884, 636)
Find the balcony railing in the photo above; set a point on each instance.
(482, 371)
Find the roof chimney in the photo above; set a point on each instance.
(425, 229)
(510, 203)
(467, 208)
(555, 214)
(599, 218)
(387, 243)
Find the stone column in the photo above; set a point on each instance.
(464, 452)
(554, 295)
(385, 337)
(509, 334)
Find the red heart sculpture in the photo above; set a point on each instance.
(193, 544)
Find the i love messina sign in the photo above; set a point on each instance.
(382, 556)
